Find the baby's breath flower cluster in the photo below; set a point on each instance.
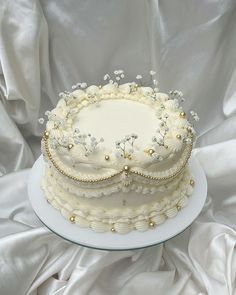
(79, 85)
(125, 147)
(87, 141)
(194, 115)
(177, 95)
(118, 76)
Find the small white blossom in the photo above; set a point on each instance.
(47, 113)
(106, 77)
(41, 120)
(122, 76)
(152, 73)
(194, 115)
(138, 77)
(83, 85)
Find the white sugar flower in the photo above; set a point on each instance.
(122, 76)
(118, 78)
(152, 73)
(106, 77)
(61, 94)
(194, 115)
(41, 120)
(47, 113)
(155, 82)
(83, 85)
(138, 77)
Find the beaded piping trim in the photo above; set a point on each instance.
(126, 169)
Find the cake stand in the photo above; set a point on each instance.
(54, 221)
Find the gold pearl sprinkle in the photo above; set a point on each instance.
(178, 207)
(151, 224)
(151, 151)
(46, 134)
(178, 136)
(182, 114)
(72, 219)
(107, 158)
(100, 86)
(113, 229)
(70, 146)
(192, 182)
(126, 168)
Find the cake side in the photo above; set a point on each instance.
(122, 214)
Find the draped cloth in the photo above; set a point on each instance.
(45, 47)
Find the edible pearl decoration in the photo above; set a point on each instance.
(178, 207)
(151, 151)
(192, 182)
(151, 224)
(72, 219)
(178, 136)
(126, 168)
(46, 134)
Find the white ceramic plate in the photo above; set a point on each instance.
(113, 241)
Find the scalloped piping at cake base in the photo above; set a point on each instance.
(126, 220)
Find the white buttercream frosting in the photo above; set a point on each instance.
(101, 218)
(116, 157)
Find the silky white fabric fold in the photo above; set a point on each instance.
(45, 47)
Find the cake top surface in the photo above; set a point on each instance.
(98, 130)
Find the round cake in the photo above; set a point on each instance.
(116, 157)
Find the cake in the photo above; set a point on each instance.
(116, 156)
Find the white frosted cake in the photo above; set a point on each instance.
(116, 157)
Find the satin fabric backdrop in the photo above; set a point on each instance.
(46, 46)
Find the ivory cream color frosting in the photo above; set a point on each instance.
(116, 157)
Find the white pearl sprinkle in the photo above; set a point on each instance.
(41, 120)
